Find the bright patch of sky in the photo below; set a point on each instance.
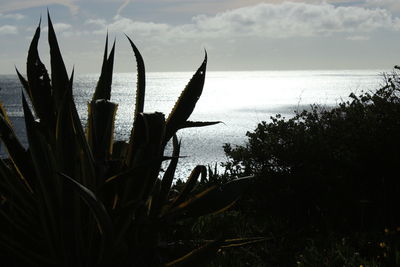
(237, 34)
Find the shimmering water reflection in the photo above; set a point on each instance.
(239, 99)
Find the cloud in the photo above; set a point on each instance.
(8, 29)
(387, 4)
(291, 19)
(14, 16)
(284, 20)
(126, 25)
(97, 22)
(12, 5)
(190, 7)
(358, 38)
(124, 4)
(59, 27)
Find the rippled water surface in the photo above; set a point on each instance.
(239, 99)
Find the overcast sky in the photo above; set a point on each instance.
(237, 34)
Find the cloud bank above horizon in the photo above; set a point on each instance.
(237, 34)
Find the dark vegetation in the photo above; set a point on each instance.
(77, 197)
(327, 191)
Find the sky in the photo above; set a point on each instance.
(237, 34)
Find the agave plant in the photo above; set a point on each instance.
(77, 197)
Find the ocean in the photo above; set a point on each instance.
(240, 100)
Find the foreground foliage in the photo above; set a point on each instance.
(327, 188)
(77, 197)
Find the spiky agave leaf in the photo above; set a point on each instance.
(17, 153)
(24, 83)
(186, 103)
(39, 88)
(71, 140)
(47, 189)
(71, 148)
(138, 198)
(167, 180)
(197, 256)
(19, 253)
(73, 159)
(155, 135)
(214, 199)
(239, 242)
(99, 212)
(209, 249)
(13, 188)
(68, 155)
(136, 188)
(120, 149)
(101, 128)
(101, 118)
(135, 185)
(141, 80)
(142, 134)
(66, 148)
(61, 83)
(147, 146)
(87, 163)
(59, 76)
(14, 220)
(190, 184)
(103, 88)
(17, 206)
(18, 215)
(139, 103)
(194, 124)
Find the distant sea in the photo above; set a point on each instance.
(239, 99)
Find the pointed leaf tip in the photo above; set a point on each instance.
(71, 79)
(103, 88)
(141, 79)
(187, 101)
(105, 50)
(59, 76)
(48, 16)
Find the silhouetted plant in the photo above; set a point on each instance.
(326, 170)
(349, 151)
(79, 198)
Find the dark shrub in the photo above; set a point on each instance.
(328, 169)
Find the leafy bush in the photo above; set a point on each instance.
(326, 170)
(338, 165)
(83, 199)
